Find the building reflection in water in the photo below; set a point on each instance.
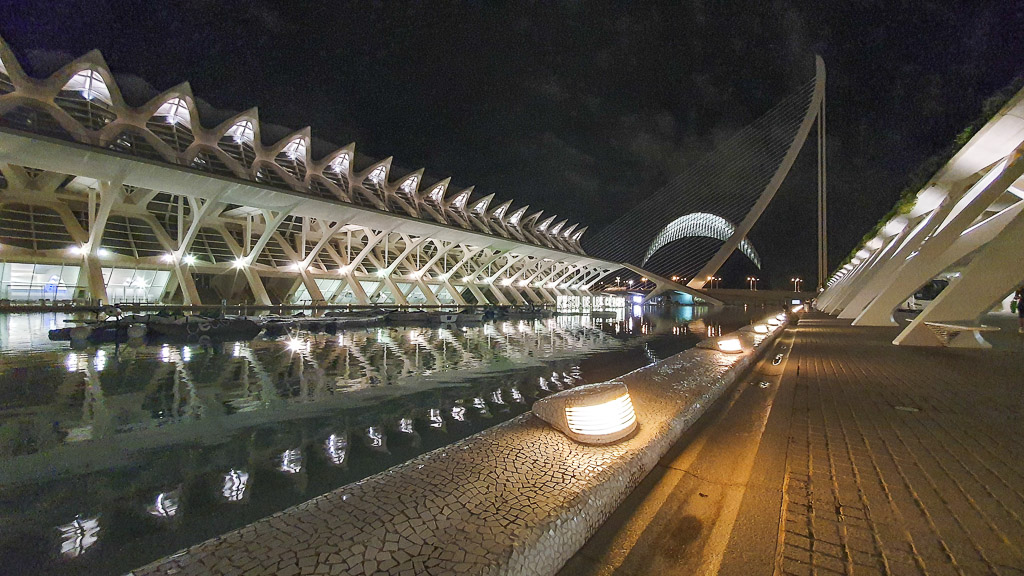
(235, 484)
(247, 403)
(291, 461)
(166, 504)
(435, 418)
(336, 448)
(459, 413)
(78, 535)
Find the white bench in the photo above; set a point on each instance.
(961, 335)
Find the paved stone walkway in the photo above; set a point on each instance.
(902, 460)
(875, 459)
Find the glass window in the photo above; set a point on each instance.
(90, 85)
(175, 110)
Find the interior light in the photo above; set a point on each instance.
(239, 263)
(189, 259)
(760, 329)
(169, 257)
(593, 414)
(774, 322)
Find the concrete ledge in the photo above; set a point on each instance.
(518, 498)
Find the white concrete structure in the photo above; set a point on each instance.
(966, 223)
(100, 199)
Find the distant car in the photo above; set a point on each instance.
(925, 295)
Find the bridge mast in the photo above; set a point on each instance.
(822, 196)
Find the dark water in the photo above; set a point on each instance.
(111, 457)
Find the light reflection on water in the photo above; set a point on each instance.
(153, 448)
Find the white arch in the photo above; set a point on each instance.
(700, 224)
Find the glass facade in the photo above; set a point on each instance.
(34, 282)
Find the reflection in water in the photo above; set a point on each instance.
(235, 484)
(405, 426)
(166, 505)
(337, 449)
(117, 425)
(78, 535)
(376, 437)
(435, 418)
(291, 461)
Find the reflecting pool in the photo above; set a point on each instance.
(113, 456)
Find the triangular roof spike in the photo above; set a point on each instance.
(500, 211)
(302, 134)
(517, 216)
(557, 228)
(480, 206)
(459, 200)
(91, 60)
(330, 159)
(531, 220)
(567, 231)
(543, 226)
(579, 234)
(252, 115)
(182, 91)
(418, 175)
(435, 192)
(386, 163)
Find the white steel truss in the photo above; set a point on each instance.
(90, 183)
(967, 222)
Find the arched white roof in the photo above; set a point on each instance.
(700, 224)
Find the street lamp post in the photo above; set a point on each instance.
(796, 284)
(616, 281)
(753, 282)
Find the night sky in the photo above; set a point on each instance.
(577, 108)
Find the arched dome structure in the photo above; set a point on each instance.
(700, 224)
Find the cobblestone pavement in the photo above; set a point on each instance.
(875, 459)
(901, 460)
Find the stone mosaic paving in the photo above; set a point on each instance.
(519, 498)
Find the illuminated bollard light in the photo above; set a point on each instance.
(730, 345)
(593, 414)
(734, 343)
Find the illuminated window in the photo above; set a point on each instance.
(86, 99)
(460, 201)
(436, 195)
(175, 110)
(293, 158)
(378, 175)
(237, 143)
(172, 124)
(90, 85)
(241, 132)
(409, 186)
(340, 164)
